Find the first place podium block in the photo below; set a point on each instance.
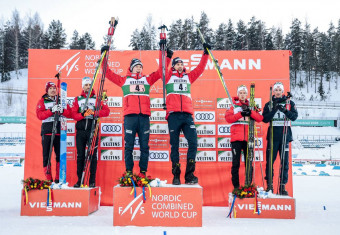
(66, 202)
(171, 206)
(270, 208)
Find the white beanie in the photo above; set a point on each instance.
(242, 87)
(86, 80)
(278, 85)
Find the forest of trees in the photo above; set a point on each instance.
(315, 56)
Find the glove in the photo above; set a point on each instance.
(246, 112)
(104, 48)
(169, 53)
(56, 108)
(61, 110)
(206, 46)
(162, 42)
(87, 112)
(282, 108)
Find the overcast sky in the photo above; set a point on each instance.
(93, 16)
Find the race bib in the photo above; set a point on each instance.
(137, 88)
(180, 87)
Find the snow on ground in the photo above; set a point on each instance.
(13, 101)
(317, 205)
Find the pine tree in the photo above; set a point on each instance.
(135, 41)
(86, 43)
(187, 35)
(278, 39)
(240, 42)
(268, 41)
(207, 32)
(75, 41)
(148, 35)
(231, 36)
(174, 35)
(221, 37)
(55, 37)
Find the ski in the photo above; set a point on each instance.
(251, 139)
(54, 127)
(63, 134)
(217, 67)
(270, 139)
(91, 145)
(163, 49)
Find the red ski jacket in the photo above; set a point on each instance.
(76, 112)
(176, 102)
(239, 124)
(136, 88)
(45, 114)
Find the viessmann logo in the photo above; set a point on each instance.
(66, 205)
(70, 64)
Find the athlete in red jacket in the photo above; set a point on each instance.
(84, 117)
(45, 111)
(238, 115)
(179, 115)
(136, 89)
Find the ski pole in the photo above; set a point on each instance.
(218, 69)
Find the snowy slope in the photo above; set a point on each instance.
(13, 100)
(317, 203)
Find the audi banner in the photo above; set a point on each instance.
(111, 128)
(204, 116)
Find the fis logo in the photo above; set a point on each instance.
(69, 65)
(129, 207)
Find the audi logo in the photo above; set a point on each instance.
(224, 129)
(111, 128)
(158, 155)
(204, 116)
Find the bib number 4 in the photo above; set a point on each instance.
(137, 88)
(180, 87)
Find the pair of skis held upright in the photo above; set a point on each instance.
(91, 145)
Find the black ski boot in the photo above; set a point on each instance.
(282, 190)
(92, 185)
(190, 178)
(56, 181)
(269, 187)
(176, 171)
(77, 185)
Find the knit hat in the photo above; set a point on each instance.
(240, 88)
(49, 84)
(86, 80)
(278, 85)
(176, 60)
(135, 62)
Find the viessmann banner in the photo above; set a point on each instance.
(209, 101)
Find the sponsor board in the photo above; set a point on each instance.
(223, 143)
(225, 156)
(220, 116)
(276, 208)
(158, 116)
(203, 103)
(70, 141)
(202, 142)
(111, 141)
(204, 116)
(223, 103)
(71, 154)
(206, 156)
(159, 156)
(223, 129)
(114, 116)
(156, 103)
(111, 128)
(67, 202)
(111, 155)
(136, 143)
(167, 206)
(161, 129)
(202, 129)
(115, 102)
(136, 155)
(71, 127)
(159, 142)
(258, 142)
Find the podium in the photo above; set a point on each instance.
(66, 202)
(270, 208)
(170, 206)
